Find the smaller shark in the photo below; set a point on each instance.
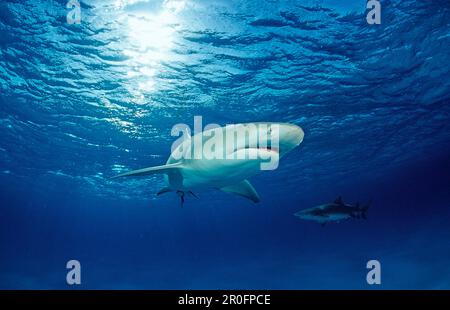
(333, 212)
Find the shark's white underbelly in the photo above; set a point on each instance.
(217, 173)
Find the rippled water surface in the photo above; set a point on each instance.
(80, 103)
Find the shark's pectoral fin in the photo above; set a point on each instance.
(163, 191)
(151, 170)
(244, 189)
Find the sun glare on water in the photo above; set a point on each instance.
(151, 31)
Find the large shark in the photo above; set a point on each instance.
(188, 169)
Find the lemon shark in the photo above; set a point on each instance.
(208, 160)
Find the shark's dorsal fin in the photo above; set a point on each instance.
(151, 170)
(244, 189)
(339, 201)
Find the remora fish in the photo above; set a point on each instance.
(333, 212)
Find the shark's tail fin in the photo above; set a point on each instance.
(364, 209)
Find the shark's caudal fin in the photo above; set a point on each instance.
(244, 189)
(150, 170)
(364, 209)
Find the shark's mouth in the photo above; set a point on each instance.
(260, 151)
(270, 148)
(265, 148)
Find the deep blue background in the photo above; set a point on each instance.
(79, 103)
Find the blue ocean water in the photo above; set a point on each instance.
(82, 102)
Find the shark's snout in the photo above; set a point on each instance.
(290, 137)
(299, 213)
(296, 134)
